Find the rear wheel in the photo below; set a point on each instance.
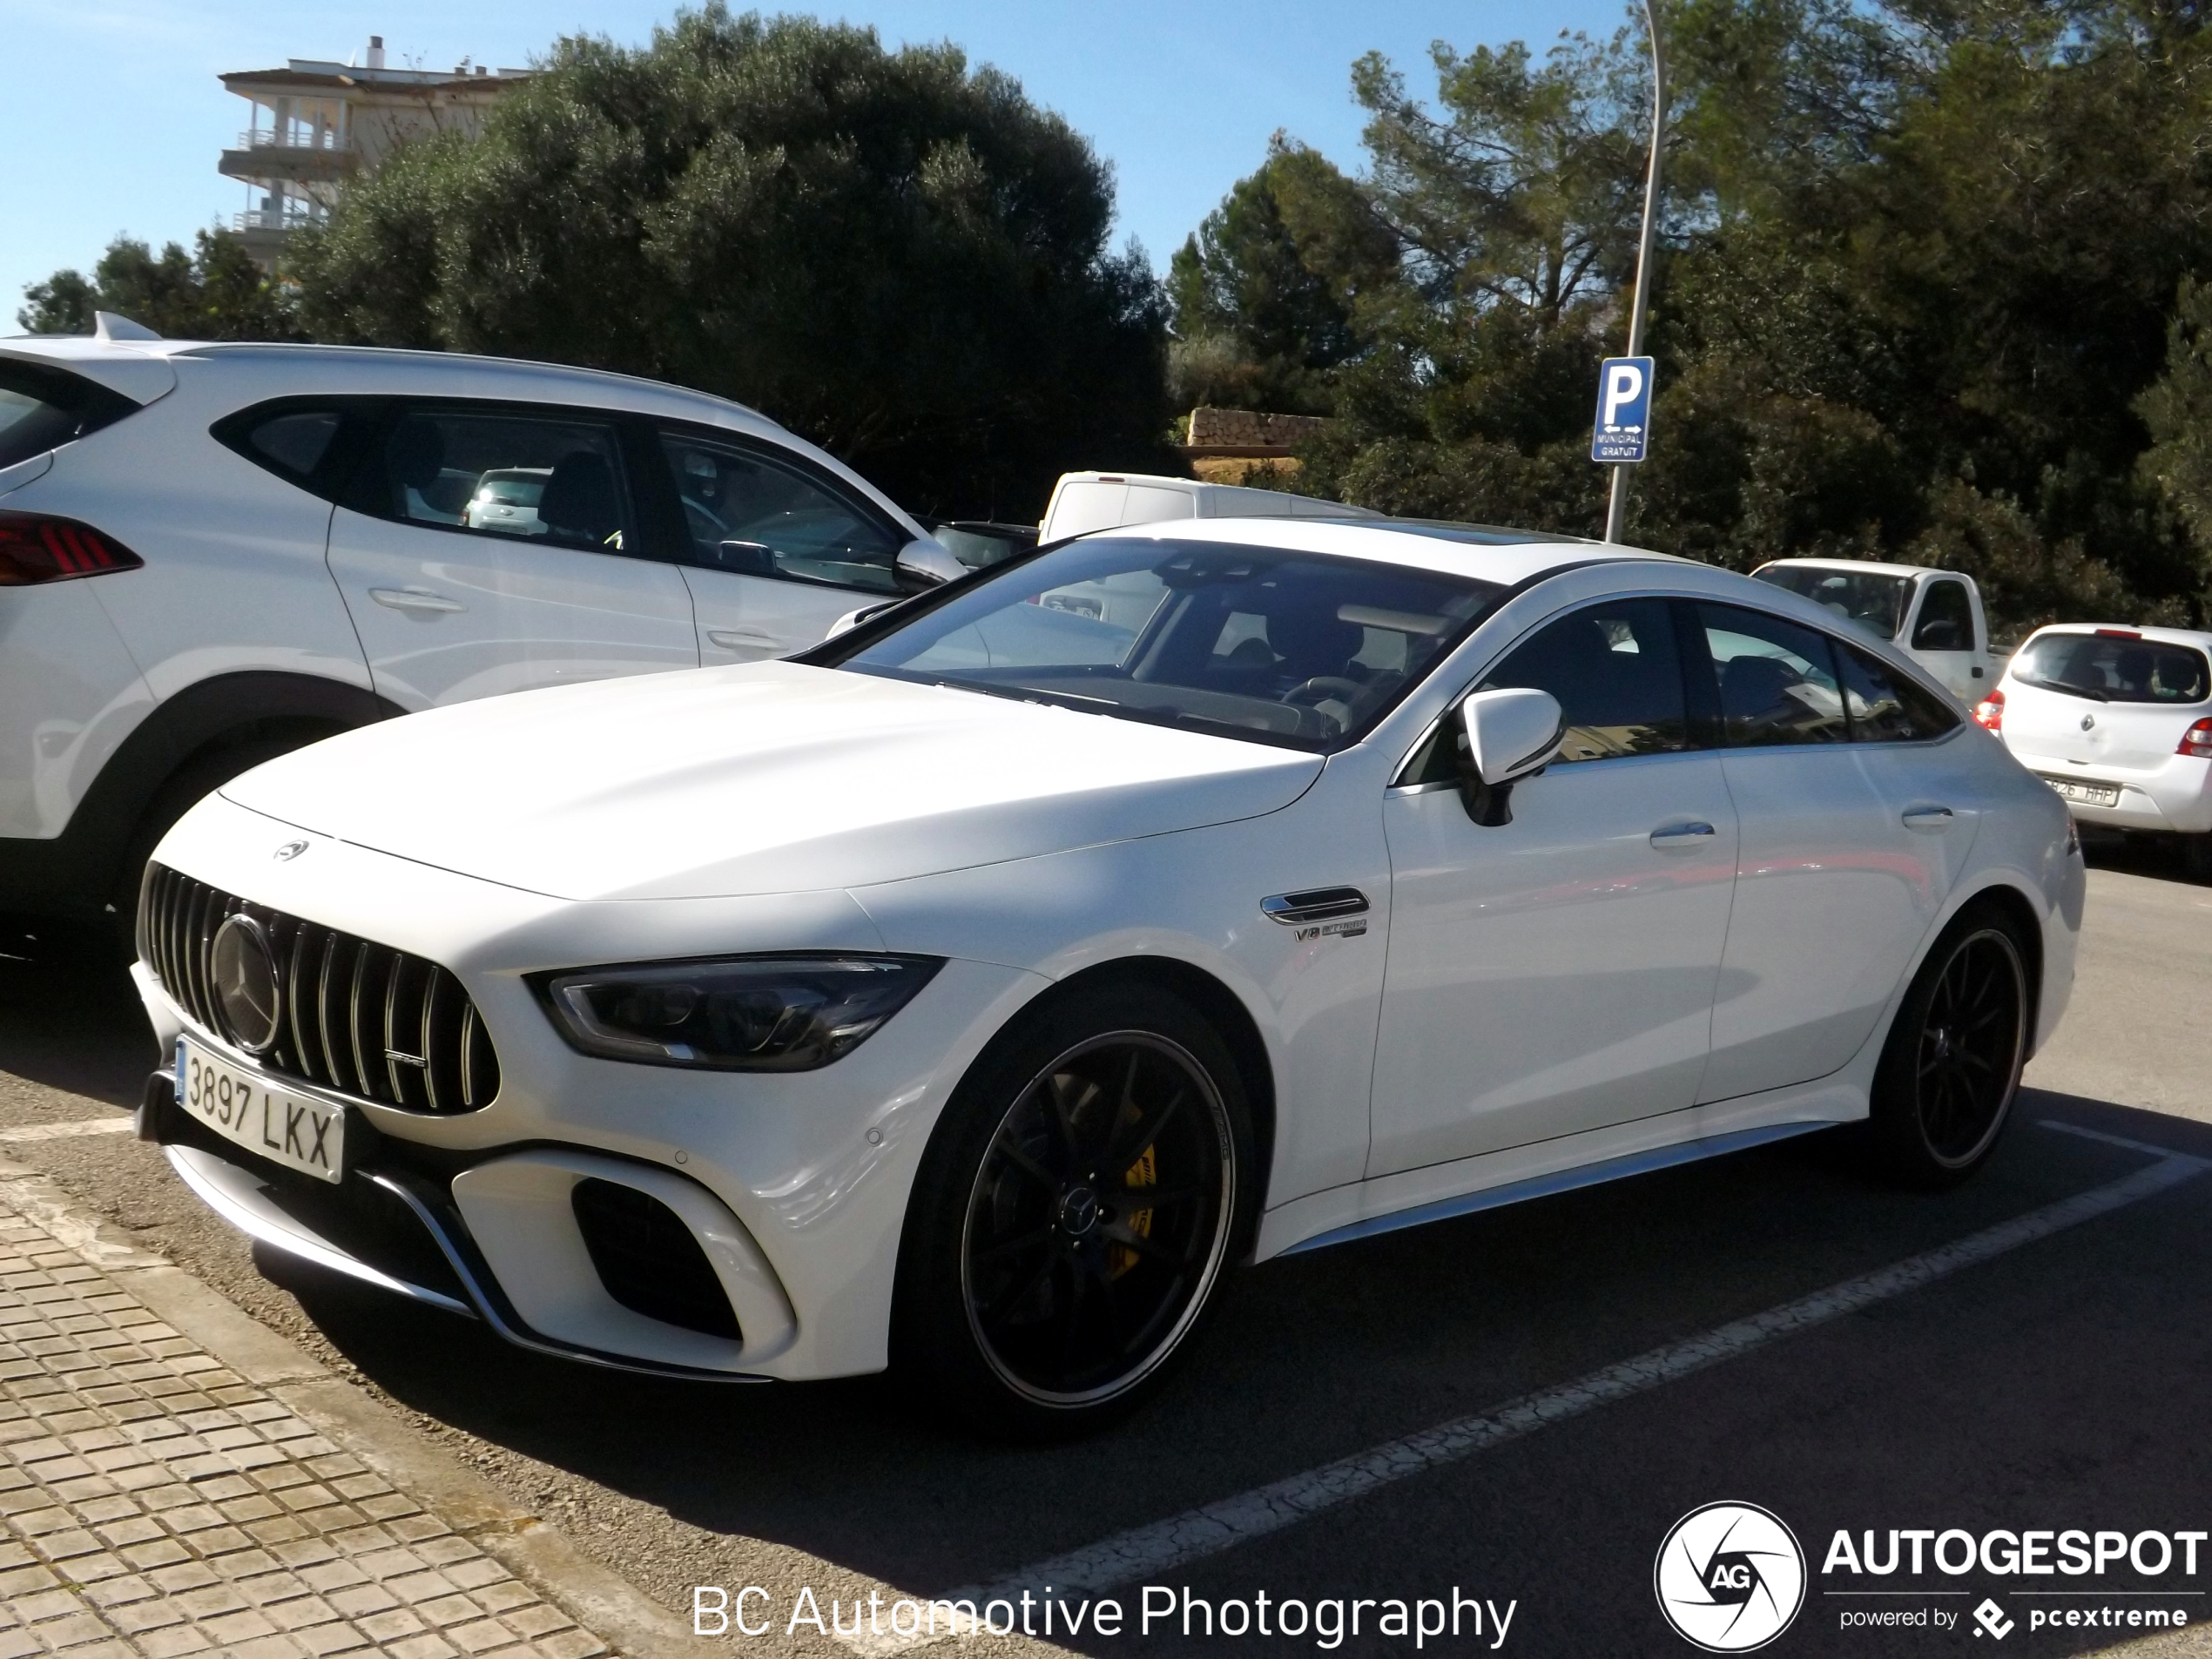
(1951, 1067)
(2196, 857)
(1075, 1215)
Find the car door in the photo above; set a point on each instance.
(1846, 852)
(494, 547)
(1556, 974)
(1941, 631)
(776, 550)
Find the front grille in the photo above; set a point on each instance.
(648, 1260)
(358, 1017)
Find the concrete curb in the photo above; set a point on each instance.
(532, 1548)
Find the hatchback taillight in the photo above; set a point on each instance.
(2197, 741)
(38, 547)
(1990, 712)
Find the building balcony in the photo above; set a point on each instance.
(296, 158)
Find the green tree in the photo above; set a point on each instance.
(897, 255)
(1264, 293)
(216, 292)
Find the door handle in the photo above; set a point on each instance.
(1668, 837)
(414, 599)
(1928, 819)
(739, 638)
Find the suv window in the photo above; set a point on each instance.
(42, 408)
(548, 478)
(1617, 674)
(1885, 706)
(1946, 618)
(752, 515)
(1776, 680)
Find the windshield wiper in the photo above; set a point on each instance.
(2070, 690)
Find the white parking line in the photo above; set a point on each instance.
(68, 1127)
(1143, 1553)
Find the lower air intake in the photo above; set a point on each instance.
(648, 1260)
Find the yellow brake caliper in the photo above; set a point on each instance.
(1145, 1172)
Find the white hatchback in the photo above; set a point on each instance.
(2118, 720)
(211, 554)
(970, 993)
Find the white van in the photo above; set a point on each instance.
(1933, 616)
(1104, 501)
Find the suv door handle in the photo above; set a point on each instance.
(1928, 819)
(1668, 837)
(414, 599)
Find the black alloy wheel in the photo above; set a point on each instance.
(1076, 1210)
(1953, 1064)
(1099, 1217)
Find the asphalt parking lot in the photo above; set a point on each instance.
(2049, 1372)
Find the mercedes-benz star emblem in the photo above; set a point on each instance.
(244, 972)
(289, 851)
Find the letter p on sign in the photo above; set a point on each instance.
(1623, 411)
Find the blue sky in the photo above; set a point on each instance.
(115, 118)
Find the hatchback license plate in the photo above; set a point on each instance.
(2087, 794)
(284, 1127)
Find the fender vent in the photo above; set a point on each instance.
(358, 1018)
(648, 1260)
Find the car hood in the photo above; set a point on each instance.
(763, 777)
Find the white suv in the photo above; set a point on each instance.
(2118, 721)
(211, 554)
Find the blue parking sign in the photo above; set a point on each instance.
(1623, 410)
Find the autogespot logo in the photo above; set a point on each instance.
(1730, 1577)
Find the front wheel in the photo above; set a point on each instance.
(1075, 1214)
(1951, 1067)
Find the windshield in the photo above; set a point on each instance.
(1296, 649)
(1875, 602)
(2113, 668)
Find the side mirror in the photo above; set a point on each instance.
(1507, 736)
(745, 558)
(927, 563)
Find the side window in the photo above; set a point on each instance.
(1776, 680)
(747, 514)
(1617, 674)
(551, 478)
(1885, 706)
(306, 444)
(1946, 618)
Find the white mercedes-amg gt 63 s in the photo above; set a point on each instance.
(968, 993)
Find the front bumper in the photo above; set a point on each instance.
(793, 1185)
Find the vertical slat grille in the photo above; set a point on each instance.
(359, 1017)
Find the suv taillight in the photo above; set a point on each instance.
(38, 547)
(1990, 712)
(2197, 741)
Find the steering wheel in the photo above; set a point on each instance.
(1322, 687)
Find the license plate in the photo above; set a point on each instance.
(2087, 794)
(284, 1127)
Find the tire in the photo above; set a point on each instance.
(1038, 1297)
(2197, 858)
(204, 772)
(1951, 1068)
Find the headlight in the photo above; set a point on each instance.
(739, 1014)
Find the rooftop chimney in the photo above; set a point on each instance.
(376, 51)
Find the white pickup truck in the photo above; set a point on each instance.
(1935, 617)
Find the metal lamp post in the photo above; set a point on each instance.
(1616, 516)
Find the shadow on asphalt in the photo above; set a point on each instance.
(2057, 1386)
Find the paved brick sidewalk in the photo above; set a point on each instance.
(152, 1502)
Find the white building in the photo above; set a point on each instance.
(315, 124)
